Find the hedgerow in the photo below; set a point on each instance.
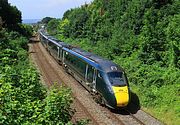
(23, 99)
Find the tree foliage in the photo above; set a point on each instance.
(10, 18)
(9, 14)
(125, 27)
(46, 20)
(23, 99)
(53, 26)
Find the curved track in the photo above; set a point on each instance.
(51, 76)
(85, 107)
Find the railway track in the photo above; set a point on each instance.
(85, 107)
(121, 116)
(80, 108)
(42, 65)
(51, 76)
(134, 117)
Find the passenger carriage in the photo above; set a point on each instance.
(99, 76)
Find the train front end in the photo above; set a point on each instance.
(120, 88)
(122, 96)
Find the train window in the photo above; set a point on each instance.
(117, 78)
(71, 59)
(67, 57)
(90, 74)
(82, 66)
(78, 64)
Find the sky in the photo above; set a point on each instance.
(38, 9)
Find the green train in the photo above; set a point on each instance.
(105, 80)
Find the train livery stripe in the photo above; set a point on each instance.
(122, 95)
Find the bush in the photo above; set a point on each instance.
(23, 99)
(57, 108)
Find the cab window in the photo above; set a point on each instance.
(117, 78)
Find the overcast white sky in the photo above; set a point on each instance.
(38, 9)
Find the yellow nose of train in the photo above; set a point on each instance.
(121, 95)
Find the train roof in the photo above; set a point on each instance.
(88, 55)
(95, 60)
(58, 42)
(106, 65)
(64, 44)
(91, 62)
(44, 34)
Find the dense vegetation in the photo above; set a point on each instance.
(10, 18)
(142, 36)
(23, 99)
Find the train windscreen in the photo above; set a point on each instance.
(117, 78)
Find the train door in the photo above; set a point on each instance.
(94, 79)
(91, 74)
(60, 53)
(63, 55)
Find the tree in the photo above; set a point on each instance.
(52, 26)
(46, 20)
(10, 15)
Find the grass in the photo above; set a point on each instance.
(166, 111)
